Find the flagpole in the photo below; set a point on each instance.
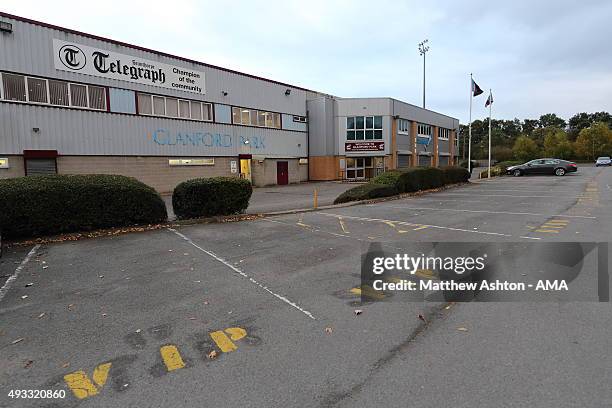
(490, 105)
(470, 126)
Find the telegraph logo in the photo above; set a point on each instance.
(72, 57)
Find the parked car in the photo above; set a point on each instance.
(603, 161)
(543, 166)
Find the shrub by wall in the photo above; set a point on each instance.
(43, 205)
(420, 178)
(454, 175)
(366, 192)
(388, 177)
(206, 197)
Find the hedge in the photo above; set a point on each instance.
(410, 180)
(44, 205)
(366, 192)
(205, 197)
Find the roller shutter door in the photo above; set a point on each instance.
(443, 160)
(36, 167)
(403, 160)
(424, 161)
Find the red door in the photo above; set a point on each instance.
(282, 172)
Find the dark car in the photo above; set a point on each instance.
(543, 166)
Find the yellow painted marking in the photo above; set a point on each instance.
(172, 358)
(547, 230)
(342, 225)
(394, 279)
(368, 292)
(426, 273)
(80, 384)
(420, 228)
(554, 226)
(402, 231)
(224, 342)
(236, 333)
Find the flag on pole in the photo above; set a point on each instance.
(489, 100)
(475, 89)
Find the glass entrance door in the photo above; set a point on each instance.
(355, 168)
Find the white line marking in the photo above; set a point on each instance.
(504, 195)
(244, 275)
(491, 212)
(7, 285)
(410, 224)
(536, 238)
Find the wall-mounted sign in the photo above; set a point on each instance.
(4, 164)
(234, 166)
(423, 140)
(73, 57)
(364, 146)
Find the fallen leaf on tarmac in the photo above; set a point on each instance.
(27, 285)
(197, 281)
(104, 315)
(70, 306)
(463, 329)
(138, 331)
(24, 297)
(101, 276)
(28, 363)
(40, 316)
(192, 318)
(358, 312)
(212, 355)
(447, 307)
(19, 340)
(206, 302)
(45, 267)
(65, 365)
(421, 317)
(328, 330)
(169, 250)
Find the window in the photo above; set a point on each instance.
(37, 90)
(424, 130)
(97, 97)
(364, 128)
(191, 162)
(443, 134)
(78, 95)
(14, 87)
(403, 126)
(52, 92)
(300, 119)
(253, 117)
(173, 107)
(58, 93)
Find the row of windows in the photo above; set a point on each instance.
(22, 88)
(403, 125)
(253, 117)
(443, 133)
(364, 128)
(424, 130)
(174, 108)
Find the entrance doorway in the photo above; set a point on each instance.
(245, 169)
(282, 173)
(355, 168)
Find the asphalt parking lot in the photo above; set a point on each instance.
(262, 313)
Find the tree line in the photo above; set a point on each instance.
(585, 136)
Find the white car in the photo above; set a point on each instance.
(603, 161)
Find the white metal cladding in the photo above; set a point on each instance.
(29, 50)
(321, 127)
(80, 132)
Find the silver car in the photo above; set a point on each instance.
(603, 161)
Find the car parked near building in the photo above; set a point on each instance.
(603, 161)
(557, 167)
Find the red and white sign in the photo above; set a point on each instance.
(364, 146)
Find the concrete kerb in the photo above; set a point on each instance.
(211, 220)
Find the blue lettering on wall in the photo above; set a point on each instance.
(164, 137)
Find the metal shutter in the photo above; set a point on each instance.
(443, 160)
(40, 166)
(403, 160)
(424, 160)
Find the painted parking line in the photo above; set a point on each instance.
(244, 275)
(552, 226)
(9, 282)
(84, 387)
(171, 357)
(489, 212)
(381, 220)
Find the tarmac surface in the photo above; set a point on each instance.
(262, 313)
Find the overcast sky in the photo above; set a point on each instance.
(537, 56)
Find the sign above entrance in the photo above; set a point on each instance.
(73, 57)
(364, 146)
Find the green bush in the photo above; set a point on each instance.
(43, 205)
(420, 178)
(366, 192)
(454, 175)
(388, 177)
(205, 197)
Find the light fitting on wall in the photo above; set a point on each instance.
(6, 27)
(288, 92)
(35, 130)
(224, 93)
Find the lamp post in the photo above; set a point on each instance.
(423, 48)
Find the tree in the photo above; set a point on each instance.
(594, 141)
(583, 120)
(525, 148)
(557, 145)
(529, 125)
(501, 153)
(552, 120)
